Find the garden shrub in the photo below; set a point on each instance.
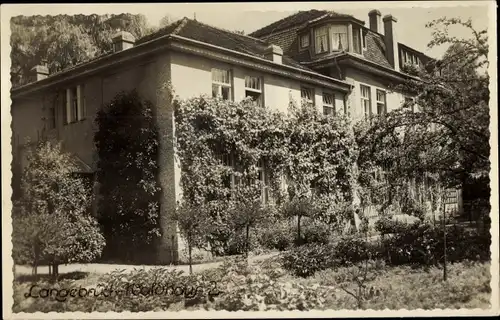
(388, 226)
(315, 232)
(305, 260)
(424, 244)
(352, 250)
(278, 235)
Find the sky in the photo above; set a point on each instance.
(410, 26)
(412, 16)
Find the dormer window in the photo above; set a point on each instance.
(356, 38)
(321, 39)
(410, 59)
(339, 38)
(304, 41)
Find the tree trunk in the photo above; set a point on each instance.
(247, 240)
(190, 258)
(445, 273)
(298, 230)
(55, 271)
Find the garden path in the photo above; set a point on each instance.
(102, 268)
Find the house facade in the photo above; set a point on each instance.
(330, 59)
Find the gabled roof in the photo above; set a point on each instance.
(195, 30)
(300, 18)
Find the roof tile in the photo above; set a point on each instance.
(198, 31)
(299, 18)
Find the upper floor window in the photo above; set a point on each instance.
(74, 104)
(357, 40)
(328, 104)
(381, 102)
(307, 94)
(221, 83)
(410, 58)
(366, 100)
(253, 89)
(304, 41)
(321, 36)
(339, 38)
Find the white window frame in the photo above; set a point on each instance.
(305, 41)
(264, 182)
(340, 32)
(363, 39)
(321, 33)
(222, 84)
(255, 84)
(309, 90)
(75, 108)
(383, 102)
(327, 105)
(365, 99)
(359, 32)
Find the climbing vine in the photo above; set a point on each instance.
(224, 147)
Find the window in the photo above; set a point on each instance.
(253, 89)
(74, 108)
(307, 94)
(410, 58)
(74, 105)
(221, 84)
(366, 100)
(363, 38)
(339, 38)
(321, 36)
(230, 181)
(304, 41)
(83, 108)
(264, 182)
(356, 37)
(381, 102)
(410, 103)
(52, 117)
(328, 104)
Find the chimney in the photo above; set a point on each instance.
(39, 72)
(391, 41)
(274, 53)
(375, 20)
(123, 40)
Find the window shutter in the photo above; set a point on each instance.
(79, 116)
(68, 106)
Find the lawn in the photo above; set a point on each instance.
(264, 285)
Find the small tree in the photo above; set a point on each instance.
(192, 221)
(54, 225)
(248, 210)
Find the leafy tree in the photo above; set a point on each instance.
(192, 222)
(165, 21)
(447, 140)
(248, 209)
(127, 146)
(63, 41)
(52, 223)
